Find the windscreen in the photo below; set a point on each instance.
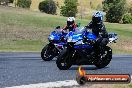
(79, 30)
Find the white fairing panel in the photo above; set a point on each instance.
(112, 37)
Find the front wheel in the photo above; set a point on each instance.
(104, 59)
(63, 61)
(48, 52)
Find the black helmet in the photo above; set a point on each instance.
(97, 17)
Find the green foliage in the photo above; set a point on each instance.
(70, 8)
(11, 1)
(130, 85)
(127, 18)
(130, 9)
(114, 9)
(24, 3)
(48, 6)
(4, 2)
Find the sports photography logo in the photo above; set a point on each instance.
(83, 78)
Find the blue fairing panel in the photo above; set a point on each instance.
(84, 46)
(91, 36)
(77, 36)
(55, 36)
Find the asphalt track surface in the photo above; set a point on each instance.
(24, 68)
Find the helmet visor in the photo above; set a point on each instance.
(96, 19)
(69, 23)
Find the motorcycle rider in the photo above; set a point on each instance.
(98, 28)
(71, 25)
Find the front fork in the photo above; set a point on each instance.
(72, 51)
(59, 48)
(53, 48)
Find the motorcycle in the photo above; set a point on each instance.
(80, 51)
(56, 44)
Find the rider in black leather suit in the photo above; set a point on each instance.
(98, 28)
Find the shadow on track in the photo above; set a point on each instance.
(87, 68)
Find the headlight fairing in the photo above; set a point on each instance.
(51, 37)
(69, 39)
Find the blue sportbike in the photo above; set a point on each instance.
(56, 44)
(80, 50)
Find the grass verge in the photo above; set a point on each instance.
(24, 30)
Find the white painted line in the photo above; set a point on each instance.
(66, 83)
(131, 78)
(49, 84)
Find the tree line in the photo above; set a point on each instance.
(116, 10)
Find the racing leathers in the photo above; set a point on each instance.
(100, 31)
(70, 27)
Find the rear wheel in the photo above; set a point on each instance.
(48, 52)
(104, 59)
(63, 61)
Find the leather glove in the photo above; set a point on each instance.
(58, 27)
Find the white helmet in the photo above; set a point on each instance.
(70, 21)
